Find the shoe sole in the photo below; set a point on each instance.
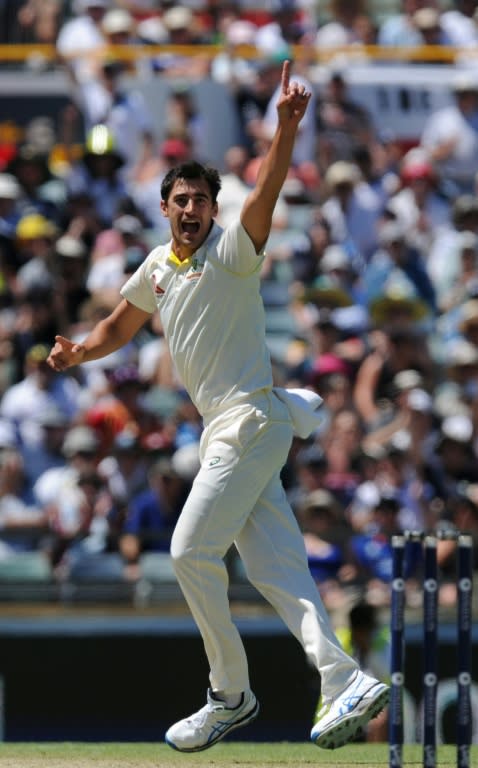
(247, 718)
(350, 725)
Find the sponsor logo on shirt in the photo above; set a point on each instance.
(156, 287)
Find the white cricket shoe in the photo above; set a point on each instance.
(211, 723)
(339, 720)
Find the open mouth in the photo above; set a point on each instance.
(190, 227)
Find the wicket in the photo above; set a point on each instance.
(464, 582)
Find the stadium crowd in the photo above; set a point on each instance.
(370, 286)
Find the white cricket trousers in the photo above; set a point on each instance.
(238, 497)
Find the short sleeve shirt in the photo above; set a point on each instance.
(212, 315)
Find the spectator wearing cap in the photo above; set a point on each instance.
(325, 533)
(461, 515)
(59, 492)
(353, 214)
(97, 174)
(30, 167)
(370, 552)
(428, 22)
(450, 137)
(53, 425)
(23, 525)
(418, 203)
(465, 284)
(306, 469)
(36, 392)
(398, 29)
(81, 36)
(71, 268)
(398, 271)
(340, 30)
(152, 514)
(125, 467)
(444, 257)
(182, 28)
(455, 462)
(10, 193)
(232, 32)
(35, 240)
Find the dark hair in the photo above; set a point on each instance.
(191, 170)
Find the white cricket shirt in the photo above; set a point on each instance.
(212, 315)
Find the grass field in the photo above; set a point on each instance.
(225, 755)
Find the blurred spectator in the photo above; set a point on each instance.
(285, 28)
(340, 30)
(79, 524)
(342, 123)
(97, 174)
(444, 255)
(153, 513)
(22, 523)
(392, 351)
(306, 142)
(419, 203)
(124, 468)
(106, 100)
(234, 188)
(53, 424)
(309, 472)
(427, 21)
(35, 240)
(458, 22)
(398, 268)
(31, 170)
(450, 137)
(9, 208)
(352, 210)
(182, 29)
(119, 409)
(399, 29)
(325, 537)
(81, 36)
(37, 391)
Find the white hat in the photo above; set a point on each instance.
(9, 187)
(78, 439)
(70, 246)
(178, 17)
(342, 172)
(117, 20)
(334, 257)
(458, 428)
(241, 32)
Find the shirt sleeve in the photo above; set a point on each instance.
(138, 290)
(237, 252)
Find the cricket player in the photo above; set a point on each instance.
(205, 285)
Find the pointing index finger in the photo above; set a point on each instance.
(285, 76)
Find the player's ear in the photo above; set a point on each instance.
(215, 209)
(164, 208)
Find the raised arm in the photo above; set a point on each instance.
(256, 215)
(107, 336)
